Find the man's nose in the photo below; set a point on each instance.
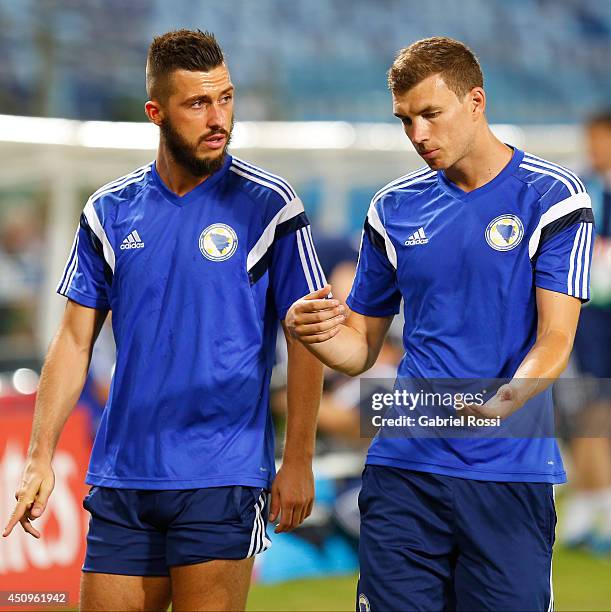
(214, 118)
(418, 133)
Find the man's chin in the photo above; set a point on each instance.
(215, 155)
(435, 164)
(211, 156)
(209, 163)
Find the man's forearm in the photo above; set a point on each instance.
(342, 339)
(542, 365)
(304, 390)
(61, 382)
(346, 352)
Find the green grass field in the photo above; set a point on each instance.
(581, 582)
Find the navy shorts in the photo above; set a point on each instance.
(431, 542)
(144, 533)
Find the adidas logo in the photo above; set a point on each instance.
(418, 237)
(133, 241)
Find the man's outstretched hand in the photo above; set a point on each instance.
(316, 317)
(508, 399)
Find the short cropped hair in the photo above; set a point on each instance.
(449, 58)
(179, 50)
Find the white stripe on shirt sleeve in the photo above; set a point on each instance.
(374, 220)
(304, 262)
(555, 212)
(292, 209)
(586, 262)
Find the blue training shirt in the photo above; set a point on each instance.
(196, 285)
(466, 265)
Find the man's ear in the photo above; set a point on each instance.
(154, 112)
(477, 101)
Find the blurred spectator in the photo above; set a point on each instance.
(21, 273)
(587, 518)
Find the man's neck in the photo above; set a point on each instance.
(174, 176)
(486, 160)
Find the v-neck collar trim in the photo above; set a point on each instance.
(505, 173)
(197, 191)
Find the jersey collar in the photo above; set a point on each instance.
(196, 192)
(504, 174)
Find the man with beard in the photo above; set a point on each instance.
(197, 254)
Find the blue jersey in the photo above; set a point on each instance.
(196, 285)
(466, 266)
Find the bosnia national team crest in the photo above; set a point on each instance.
(504, 233)
(364, 603)
(218, 242)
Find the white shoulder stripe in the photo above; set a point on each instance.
(264, 174)
(555, 212)
(406, 183)
(116, 187)
(94, 221)
(414, 173)
(561, 178)
(292, 209)
(136, 173)
(568, 172)
(575, 180)
(96, 227)
(258, 179)
(405, 177)
(374, 220)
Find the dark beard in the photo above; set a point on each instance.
(184, 153)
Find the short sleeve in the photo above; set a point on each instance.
(375, 289)
(286, 250)
(86, 276)
(295, 269)
(564, 247)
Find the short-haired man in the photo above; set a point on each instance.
(198, 255)
(587, 511)
(489, 247)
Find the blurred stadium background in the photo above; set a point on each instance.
(311, 105)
